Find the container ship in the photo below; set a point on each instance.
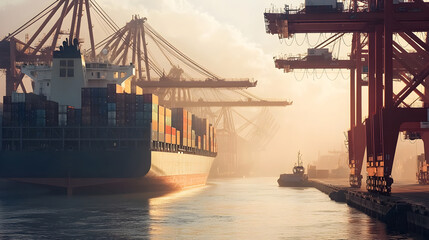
(85, 128)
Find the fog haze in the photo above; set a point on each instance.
(229, 38)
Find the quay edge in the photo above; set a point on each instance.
(399, 213)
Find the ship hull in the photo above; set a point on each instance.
(124, 171)
(293, 180)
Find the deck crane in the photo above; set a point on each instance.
(388, 112)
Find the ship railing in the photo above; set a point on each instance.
(168, 147)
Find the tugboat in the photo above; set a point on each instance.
(297, 179)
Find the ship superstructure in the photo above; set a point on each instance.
(69, 73)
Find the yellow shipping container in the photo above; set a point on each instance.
(127, 86)
(139, 90)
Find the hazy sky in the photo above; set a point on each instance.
(228, 37)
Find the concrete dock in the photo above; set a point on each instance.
(405, 210)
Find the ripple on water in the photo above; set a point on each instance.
(245, 208)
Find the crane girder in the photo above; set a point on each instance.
(250, 103)
(198, 84)
(286, 24)
(290, 64)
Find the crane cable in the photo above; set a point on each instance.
(302, 43)
(159, 47)
(303, 75)
(317, 42)
(104, 15)
(179, 52)
(174, 54)
(180, 58)
(28, 24)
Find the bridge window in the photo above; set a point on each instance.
(70, 72)
(66, 68)
(123, 74)
(115, 75)
(63, 72)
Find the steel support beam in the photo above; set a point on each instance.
(198, 84)
(146, 58)
(252, 103)
(91, 34)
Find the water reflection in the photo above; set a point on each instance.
(77, 217)
(225, 209)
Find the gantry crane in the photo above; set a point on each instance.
(174, 87)
(127, 44)
(388, 112)
(357, 61)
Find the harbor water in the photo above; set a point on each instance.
(242, 208)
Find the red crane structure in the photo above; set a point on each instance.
(130, 43)
(126, 44)
(13, 51)
(388, 113)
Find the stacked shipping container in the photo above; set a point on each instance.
(168, 126)
(180, 123)
(113, 107)
(151, 112)
(22, 109)
(161, 124)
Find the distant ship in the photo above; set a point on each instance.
(81, 130)
(297, 179)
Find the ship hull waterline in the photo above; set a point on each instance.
(144, 171)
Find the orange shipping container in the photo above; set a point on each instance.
(167, 138)
(139, 90)
(189, 129)
(185, 128)
(178, 137)
(199, 142)
(167, 124)
(173, 135)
